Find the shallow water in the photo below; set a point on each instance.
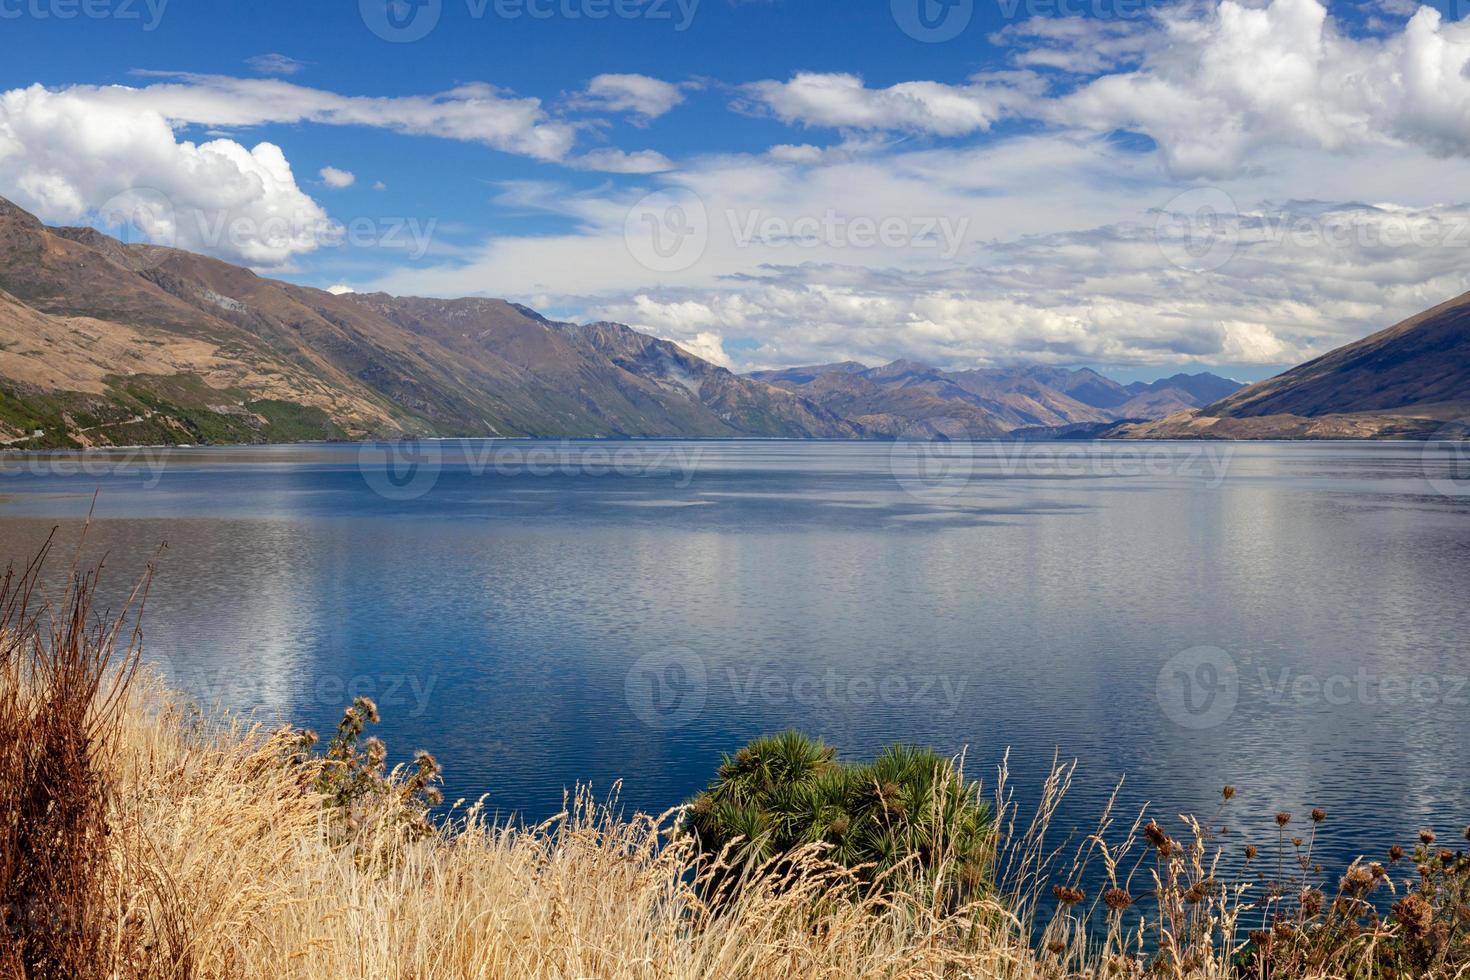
(1287, 618)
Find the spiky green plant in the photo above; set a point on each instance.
(908, 819)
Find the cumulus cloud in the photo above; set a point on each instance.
(1213, 90)
(1211, 85)
(335, 178)
(70, 158)
(1049, 269)
(843, 101)
(1299, 280)
(644, 97)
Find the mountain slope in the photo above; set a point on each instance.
(1401, 382)
(103, 342)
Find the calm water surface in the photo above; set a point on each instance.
(1288, 618)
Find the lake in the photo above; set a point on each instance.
(1289, 618)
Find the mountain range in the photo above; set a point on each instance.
(108, 343)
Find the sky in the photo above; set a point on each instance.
(1140, 186)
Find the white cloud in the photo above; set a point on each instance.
(1215, 90)
(340, 289)
(337, 179)
(1212, 85)
(69, 158)
(474, 113)
(615, 161)
(1061, 261)
(644, 97)
(842, 101)
(275, 64)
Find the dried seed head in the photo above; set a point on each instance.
(1067, 895)
(1283, 818)
(1311, 900)
(1318, 814)
(1415, 915)
(1396, 854)
(1117, 899)
(1426, 837)
(1250, 852)
(1228, 792)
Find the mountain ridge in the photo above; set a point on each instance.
(104, 342)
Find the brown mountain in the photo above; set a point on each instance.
(907, 397)
(103, 343)
(1403, 382)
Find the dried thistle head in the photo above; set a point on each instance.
(1283, 818)
(1318, 814)
(1359, 879)
(1158, 839)
(1250, 852)
(1311, 901)
(1396, 854)
(1426, 837)
(1415, 915)
(1228, 792)
(1067, 895)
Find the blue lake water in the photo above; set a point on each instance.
(1292, 619)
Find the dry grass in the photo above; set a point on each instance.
(173, 847)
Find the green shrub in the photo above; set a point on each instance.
(906, 820)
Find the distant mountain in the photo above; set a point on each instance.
(106, 343)
(904, 397)
(1402, 382)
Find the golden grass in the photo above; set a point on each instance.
(224, 870)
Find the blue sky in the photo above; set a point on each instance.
(1142, 187)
